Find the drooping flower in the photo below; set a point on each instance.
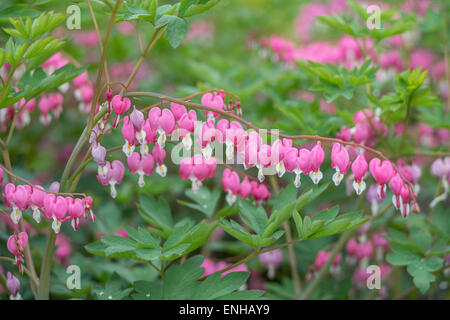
(129, 134)
(359, 169)
(396, 184)
(163, 122)
(340, 161)
(143, 166)
(317, 156)
(272, 261)
(382, 171)
(120, 105)
(159, 154)
(13, 285)
(231, 185)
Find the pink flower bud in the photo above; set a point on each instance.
(259, 191)
(321, 259)
(365, 250)
(98, 154)
(245, 188)
(382, 171)
(13, 284)
(137, 119)
(215, 101)
(188, 121)
(271, 258)
(178, 110)
(379, 241)
(128, 131)
(16, 244)
(359, 169)
(230, 181)
(120, 104)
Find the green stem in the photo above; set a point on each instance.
(44, 287)
(339, 245)
(291, 250)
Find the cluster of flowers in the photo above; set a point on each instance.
(358, 254)
(350, 51)
(247, 146)
(53, 206)
(367, 127)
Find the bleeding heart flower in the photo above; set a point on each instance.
(382, 171)
(159, 154)
(215, 101)
(359, 169)
(163, 122)
(129, 134)
(245, 189)
(231, 184)
(340, 161)
(178, 110)
(120, 105)
(317, 156)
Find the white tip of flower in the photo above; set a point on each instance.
(102, 171)
(77, 95)
(280, 169)
(140, 136)
(260, 173)
(36, 214)
(141, 181)
(16, 214)
(64, 87)
(144, 149)
(196, 185)
(127, 149)
(113, 189)
(207, 151)
(297, 181)
(231, 198)
(271, 272)
(187, 141)
(162, 139)
(379, 191)
(394, 202)
(374, 207)
(229, 150)
(316, 176)
(359, 187)
(56, 225)
(405, 209)
(337, 177)
(161, 170)
(74, 224)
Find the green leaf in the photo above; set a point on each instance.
(327, 215)
(310, 195)
(157, 212)
(176, 31)
(206, 201)
(114, 289)
(253, 216)
(180, 280)
(214, 286)
(298, 223)
(401, 256)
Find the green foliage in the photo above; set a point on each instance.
(205, 201)
(417, 253)
(337, 81)
(181, 281)
(390, 24)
